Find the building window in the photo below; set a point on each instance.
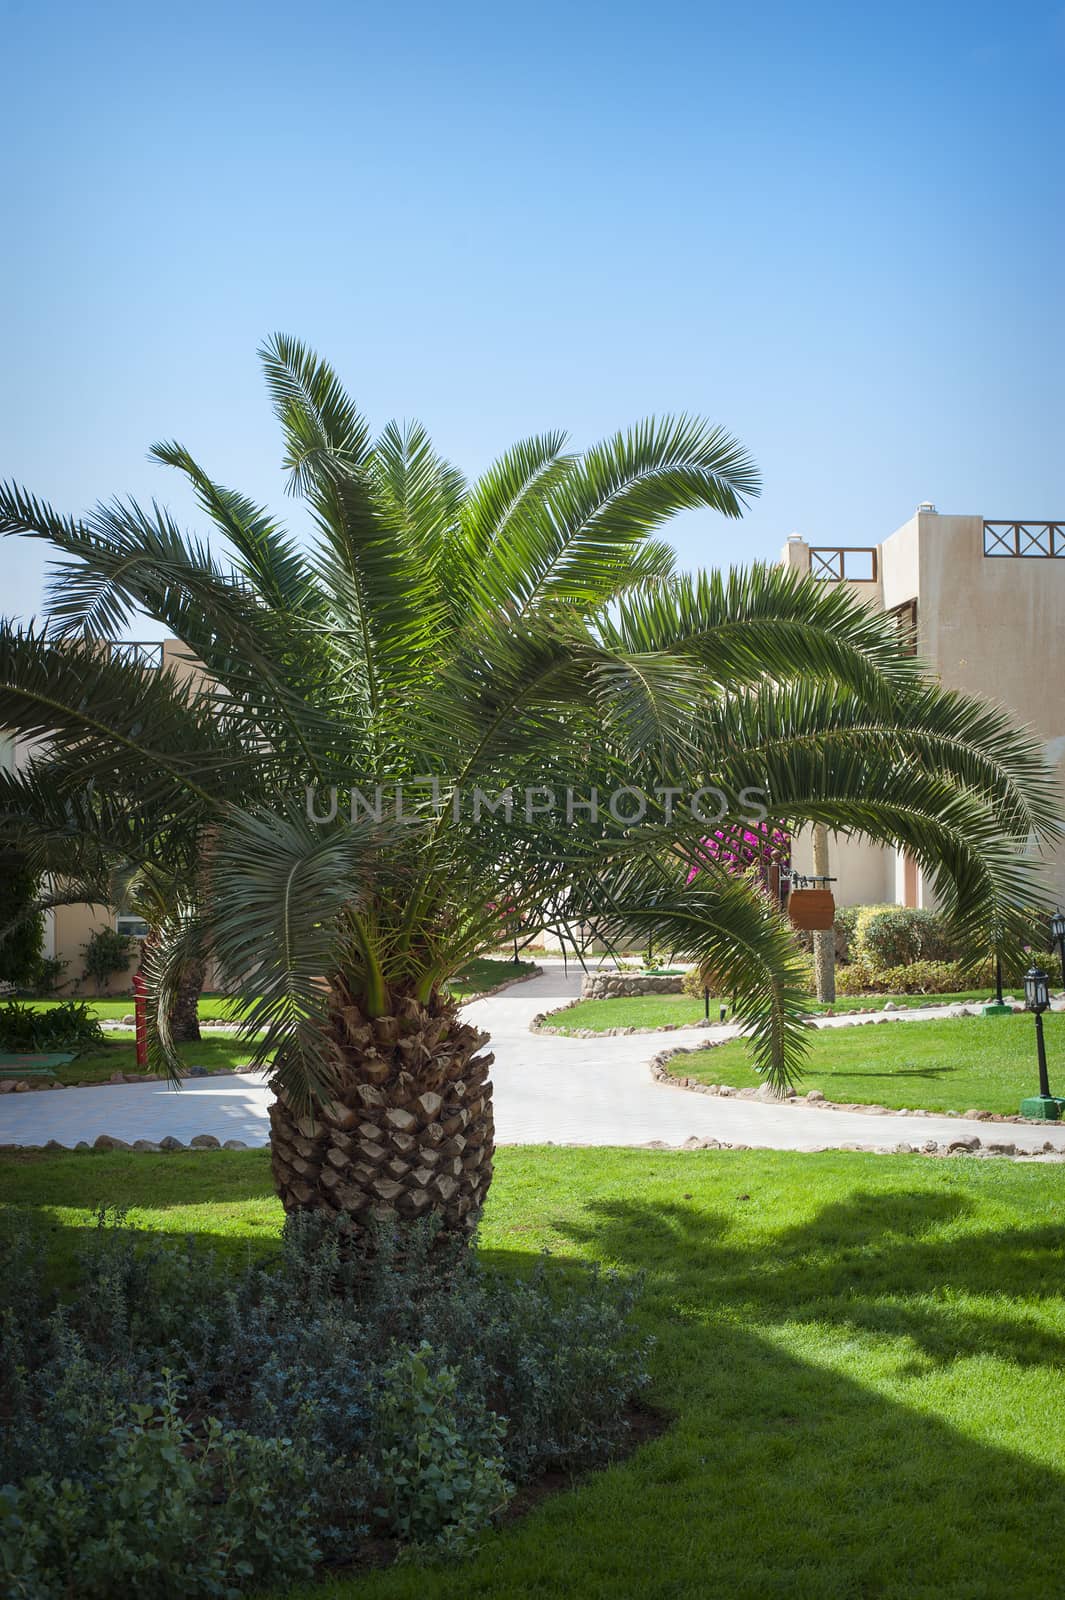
(131, 927)
(906, 622)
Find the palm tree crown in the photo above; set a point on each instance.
(528, 630)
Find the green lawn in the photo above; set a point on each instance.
(212, 1007)
(668, 1010)
(482, 973)
(951, 1065)
(218, 1053)
(863, 1358)
(485, 972)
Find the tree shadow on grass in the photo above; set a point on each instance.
(785, 1473)
(932, 1074)
(790, 1476)
(874, 1264)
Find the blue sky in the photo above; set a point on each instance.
(835, 229)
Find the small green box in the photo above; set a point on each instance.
(993, 1009)
(1043, 1108)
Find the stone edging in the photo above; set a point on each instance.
(540, 1023)
(105, 1142)
(610, 984)
(815, 1099)
(116, 1080)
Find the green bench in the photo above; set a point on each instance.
(32, 1064)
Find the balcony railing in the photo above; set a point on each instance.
(844, 563)
(143, 652)
(1025, 539)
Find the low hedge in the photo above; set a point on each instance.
(171, 1429)
(936, 977)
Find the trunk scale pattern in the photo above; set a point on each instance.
(409, 1131)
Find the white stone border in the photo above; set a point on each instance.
(814, 1099)
(541, 1022)
(105, 1142)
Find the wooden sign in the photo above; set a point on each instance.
(812, 909)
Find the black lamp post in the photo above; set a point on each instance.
(997, 1007)
(1037, 998)
(1044, 1107)
(1057, 934)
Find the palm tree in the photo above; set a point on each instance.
(523, 634)
(83, 848)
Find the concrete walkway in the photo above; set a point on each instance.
(548, 1089)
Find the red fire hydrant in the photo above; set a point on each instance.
(140, 1010)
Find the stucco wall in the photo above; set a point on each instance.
(73, 927)
(995, 627)
(865, 873)
(989, 626)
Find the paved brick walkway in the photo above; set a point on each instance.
(548, 1089)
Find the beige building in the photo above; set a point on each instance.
(987, 602)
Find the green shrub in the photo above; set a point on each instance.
(692, 983)
(23, 1027)
(277, 1418)
(441, 1472)
(174, 1511)
(917, 977)
(47, 976)
(937, 977)
(20, 951)
(1048, 960)
(895, 936)
(106, 953)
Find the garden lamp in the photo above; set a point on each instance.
(997, 1007)
(1057, 934)
(1044, 1106)
(1036, 990)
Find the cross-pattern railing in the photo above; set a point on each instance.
(144, 652)
(844, 563)
(1024, 539)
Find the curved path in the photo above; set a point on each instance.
(548, 1089)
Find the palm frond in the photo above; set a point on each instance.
(117, 718)
(570, 541)
(504, 494)
(266, 557)
(323, 430)
(764, 624)
(285, 897)
(727, 927)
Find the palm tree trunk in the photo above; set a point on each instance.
(410, 1132)
(184, 1018)
(824, 942)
